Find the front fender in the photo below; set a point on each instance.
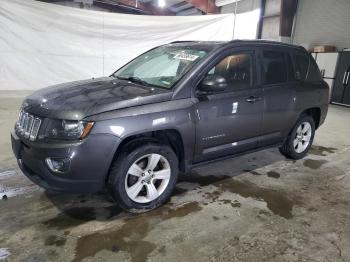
(176, 114)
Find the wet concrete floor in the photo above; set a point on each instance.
(258, 207)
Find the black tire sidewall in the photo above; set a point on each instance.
(119, 171)
(290, 141)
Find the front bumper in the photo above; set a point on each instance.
(89, 165)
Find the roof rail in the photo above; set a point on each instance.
(259, 41)
(176, 42)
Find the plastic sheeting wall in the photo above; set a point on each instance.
(43, 44)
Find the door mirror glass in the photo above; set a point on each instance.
(213, 84)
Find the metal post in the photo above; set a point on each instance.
(261, 19)
(234, 20)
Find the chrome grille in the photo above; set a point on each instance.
(28, 125)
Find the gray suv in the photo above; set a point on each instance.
(172, 108)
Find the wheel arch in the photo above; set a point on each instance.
(170, 137)
(315, 113)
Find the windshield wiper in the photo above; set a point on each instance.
(136, 80)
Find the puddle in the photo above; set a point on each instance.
(276, 201)
(321, 150)
(233, 203)
(71, 217)
(264, 213)
(213, 196)
(162, 250)
(273, 174)
(113, 210)
(201, 180)
(129, 237)
(79, 215)
(314, 164)
(55, 241)
(196, 181)
(178, 191)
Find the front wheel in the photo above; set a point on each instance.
(300, 139)
(143, 178)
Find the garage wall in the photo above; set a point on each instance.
(271, 22)
(323, 22)
(242, 6)
(246, 22)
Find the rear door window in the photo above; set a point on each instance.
(291, 72)
(275, 69)
(302, 63)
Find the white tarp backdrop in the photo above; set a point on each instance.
(43, 44)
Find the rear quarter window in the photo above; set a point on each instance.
(307, 68)
(314, 73)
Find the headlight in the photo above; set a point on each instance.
(68, 129)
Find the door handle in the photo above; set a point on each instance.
(344, 77)
(253, 99)
(347, 79)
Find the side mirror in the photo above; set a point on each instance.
(212, 84)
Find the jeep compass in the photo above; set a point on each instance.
(170, 109)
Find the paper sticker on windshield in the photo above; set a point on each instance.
(185, 56)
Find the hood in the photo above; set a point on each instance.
(79, 99)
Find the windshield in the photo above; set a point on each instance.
(162, 66)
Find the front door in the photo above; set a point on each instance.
(229, 122)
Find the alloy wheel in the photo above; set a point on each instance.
(302, 137)
(147, 178)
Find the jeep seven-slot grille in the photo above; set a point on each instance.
(28, 125)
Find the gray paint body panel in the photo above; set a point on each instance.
(211, 126)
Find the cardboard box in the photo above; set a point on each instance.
(324, 48)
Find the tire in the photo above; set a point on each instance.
(129, 173)
(299, 151)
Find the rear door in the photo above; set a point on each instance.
(229, 122)
(279, 89)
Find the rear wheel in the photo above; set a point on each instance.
(143, 178)
(300, 139)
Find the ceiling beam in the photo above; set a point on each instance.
(285, 16)
(261, 19)
(206, 6)
(133, 6)
(288, 10)
(178, 4)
